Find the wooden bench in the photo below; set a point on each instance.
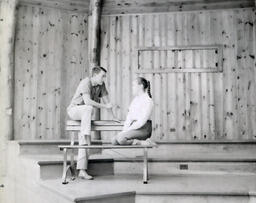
(104, 125)
(67, 167)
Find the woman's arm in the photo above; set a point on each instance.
(145, 115)
(127, 122)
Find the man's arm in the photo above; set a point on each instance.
(105, 100)
(89, 101)
(84, 88)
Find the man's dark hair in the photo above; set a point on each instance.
(97, 70)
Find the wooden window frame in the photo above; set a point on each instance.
(218, 48)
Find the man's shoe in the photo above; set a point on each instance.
(84, 175)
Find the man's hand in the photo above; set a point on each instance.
(114, 115)
(108, 106)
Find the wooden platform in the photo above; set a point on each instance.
(215, 187)
(119, 180)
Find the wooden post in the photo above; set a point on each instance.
(7, 29)
(94, 32)
(94, 44)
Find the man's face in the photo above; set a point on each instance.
(100, 77)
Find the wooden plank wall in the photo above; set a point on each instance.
(50, 60)
(205, 106)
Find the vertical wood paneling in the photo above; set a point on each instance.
(226, 32)
(125, 62)
(180, 79)
(204, 80)
(50, 60)
(241, 74)
(171, 83)
(187, 56)
(27, 68)
(118, 58)
(214, 37)
(35, 71)
(251, 92)
(189, 105)
(58, 38)
(157, 77)
(164, 86)
(253, 75)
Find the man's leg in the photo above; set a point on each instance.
(82, 153)
(83, 113)
(85, 138)
(82, 159)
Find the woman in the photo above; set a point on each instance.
(138, 126)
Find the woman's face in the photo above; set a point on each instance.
(136, 87)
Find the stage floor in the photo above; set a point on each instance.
(192, 184)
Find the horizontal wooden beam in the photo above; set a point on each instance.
(113, 7)
(67, 5)
(189, 47)
(176, 70)
(151, 6)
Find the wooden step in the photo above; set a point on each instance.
(172, 166)
(193, 197)
(48, 146)
(51, 166)
(101, 165)
(195, 150)
(168, 158)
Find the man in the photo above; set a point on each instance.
(87, 96)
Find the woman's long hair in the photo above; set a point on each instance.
(146, 85)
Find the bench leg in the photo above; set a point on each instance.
(72, 165)
(65, 167)
(145, 166)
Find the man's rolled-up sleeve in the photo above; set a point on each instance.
(84, 87)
